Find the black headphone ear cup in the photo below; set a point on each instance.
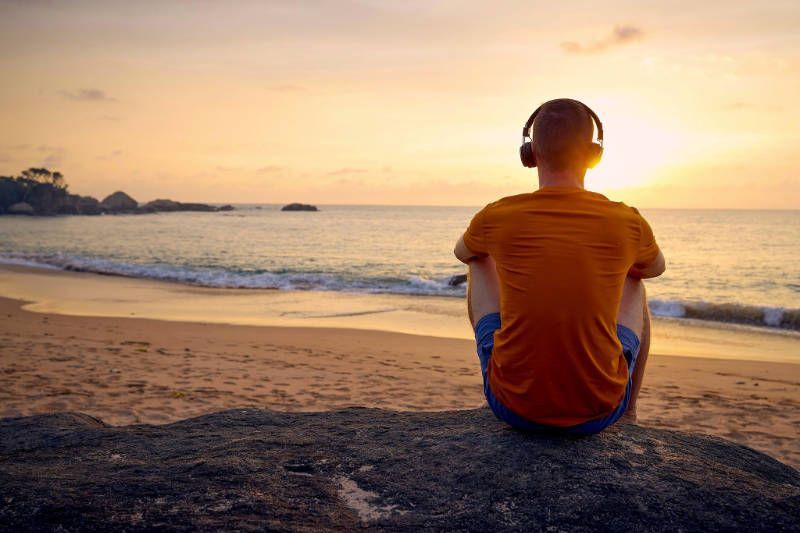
(527, 155)
(595, 155)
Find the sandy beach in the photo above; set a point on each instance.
(128, 370)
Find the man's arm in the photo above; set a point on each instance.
(652, 270)
(464, 254)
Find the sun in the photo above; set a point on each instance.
(635, 151)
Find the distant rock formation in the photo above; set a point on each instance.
(20, 208)
(248, 469)
(37, 191)
(119, 202)
(299, 207)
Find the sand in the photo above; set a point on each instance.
(135, 370)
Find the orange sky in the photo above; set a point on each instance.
(412, 102)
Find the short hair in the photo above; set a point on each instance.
(562, 130)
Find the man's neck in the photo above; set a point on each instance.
(566, 178)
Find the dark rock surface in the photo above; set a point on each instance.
(299, 207)
(87, 205)
(119, 202)
(458, 279)
(262, 470)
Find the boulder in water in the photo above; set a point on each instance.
(299, 207)
(458, 279)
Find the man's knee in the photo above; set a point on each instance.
(632, 306)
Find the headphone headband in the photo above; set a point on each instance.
(526, 129)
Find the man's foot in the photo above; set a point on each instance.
(629, 417)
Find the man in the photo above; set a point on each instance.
(555, 292)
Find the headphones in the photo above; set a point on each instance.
(526, 152)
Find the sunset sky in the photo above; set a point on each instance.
(413, 102)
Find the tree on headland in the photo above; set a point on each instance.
(35, 185)
(43, 175)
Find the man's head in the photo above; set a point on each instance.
(562, 136)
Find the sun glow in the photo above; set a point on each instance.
(636, 150)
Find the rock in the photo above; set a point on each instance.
(299, 207)
(20, 208)
(170, 205)
(67, 209)
(119, 202)
(458, 279)
(86, 205)
(196, 207)
(162, 205)
(248, 469)
(226, 207)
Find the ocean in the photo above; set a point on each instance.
(736, 266)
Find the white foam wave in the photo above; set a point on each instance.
(667, 308)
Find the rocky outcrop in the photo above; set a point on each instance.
(248, 469)
(20, 208)
(226, 207)
(299, 207)
(87, 205)
(163, 205)
(119, 202)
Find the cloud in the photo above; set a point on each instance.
(286, 88)
(52, 160)
(619, 36)
(112, 155)
(270, 169)
(733, 106)
(346, 171)
(87, 95)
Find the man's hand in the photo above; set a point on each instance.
(654, 269)
(464, 254)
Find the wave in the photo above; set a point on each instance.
(241, 279)
(754, 315)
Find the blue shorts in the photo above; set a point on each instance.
(484, 336)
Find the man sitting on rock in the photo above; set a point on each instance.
(555, 292)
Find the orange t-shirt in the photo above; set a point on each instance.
(562, 256)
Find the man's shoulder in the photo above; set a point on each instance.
(619, 208)
(508, 201)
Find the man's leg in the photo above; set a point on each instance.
(483, 289)
(633, 314)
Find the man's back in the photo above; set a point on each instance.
(562, 255)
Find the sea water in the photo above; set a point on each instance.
(735, 266)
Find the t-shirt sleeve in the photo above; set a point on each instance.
(648, 249)
(475, 236)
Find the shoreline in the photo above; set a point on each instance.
(51, 290)
(763, 317)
